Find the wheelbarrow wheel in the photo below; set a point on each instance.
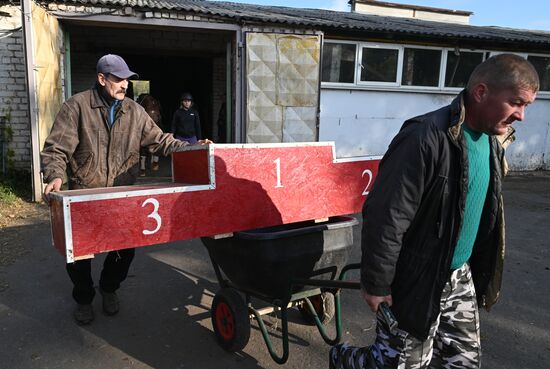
(323, 305)
(230, 320)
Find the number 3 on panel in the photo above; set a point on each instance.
(154, 214)
(366, 190)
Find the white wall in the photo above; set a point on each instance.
(364, 122)
(531, 150)
(379, 9)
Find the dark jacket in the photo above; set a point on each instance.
(96, 154)
(413, 215)
(186, 123)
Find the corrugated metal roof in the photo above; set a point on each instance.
(331, 20)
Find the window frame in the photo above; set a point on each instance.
(545, 93)
(340, 84)
(441, 70)
(370, 45)
(444, 68)
(397, 86)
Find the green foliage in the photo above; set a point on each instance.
(7, 137)
(16, 184)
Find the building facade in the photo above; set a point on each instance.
(280, 74)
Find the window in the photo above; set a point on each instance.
(138, 87)
(542, 66)
(379, 65)
(460, 64)
(421, 67)
(387, 66)
(338, 63)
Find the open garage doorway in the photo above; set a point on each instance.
(173, 60)
(170, 77)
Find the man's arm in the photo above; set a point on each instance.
(58, 148)
(391, 207)
(160, 143)
(375, 301)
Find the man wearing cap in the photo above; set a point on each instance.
(96, 140)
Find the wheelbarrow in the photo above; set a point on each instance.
(294, 265)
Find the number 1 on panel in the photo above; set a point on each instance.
(278, 167)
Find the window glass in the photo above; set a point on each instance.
(459, 67)
(542, 65)
(379, 65)
(421, 67)
(137, 88)
(338, 63)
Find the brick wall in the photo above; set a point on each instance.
(13, 95)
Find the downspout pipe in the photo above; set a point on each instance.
(26, 13)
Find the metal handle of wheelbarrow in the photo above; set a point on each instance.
(326, 283)
(384, 308)
(339, 283)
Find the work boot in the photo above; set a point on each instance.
(155, 166)
(110, 302)
(84, 314)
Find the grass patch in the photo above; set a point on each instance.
(14, 186)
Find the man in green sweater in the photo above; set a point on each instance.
(433, 224)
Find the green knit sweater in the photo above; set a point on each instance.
(477, 145)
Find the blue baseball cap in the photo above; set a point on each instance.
(115, 65)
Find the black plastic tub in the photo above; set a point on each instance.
(265, 261)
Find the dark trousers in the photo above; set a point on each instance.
(192, 140)
(115, 270)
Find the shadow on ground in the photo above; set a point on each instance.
(164, 320)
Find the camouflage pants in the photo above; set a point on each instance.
(453, 340)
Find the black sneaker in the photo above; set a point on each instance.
(110, 302)
(84, 314)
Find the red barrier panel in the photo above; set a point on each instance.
(220, 189)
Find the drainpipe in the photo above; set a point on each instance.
(26, 12)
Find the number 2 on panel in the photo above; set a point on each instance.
(278, 167)
(366, 190)
(154, 214)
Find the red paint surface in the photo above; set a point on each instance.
(191, 167)
(246, 197)
(58, 226)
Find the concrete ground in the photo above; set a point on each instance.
(164, 320)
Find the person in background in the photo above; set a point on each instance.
(433, 224)
(153, 108)
(186, 124)
(96, 140)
